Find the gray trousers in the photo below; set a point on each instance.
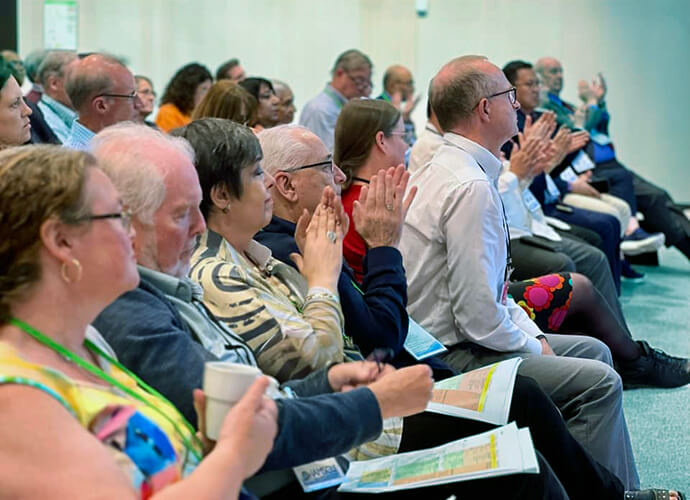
(582, 384)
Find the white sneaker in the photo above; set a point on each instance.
(641, 241)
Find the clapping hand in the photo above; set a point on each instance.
(379, 213)
(526, 154)
(582, 186)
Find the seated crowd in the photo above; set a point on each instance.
(220, 231)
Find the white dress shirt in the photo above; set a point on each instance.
(454, 250)
(423, 150)
(523, 211)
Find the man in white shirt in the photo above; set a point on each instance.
(456, 252)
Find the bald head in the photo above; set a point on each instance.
(398, 78)
(551, 73)
(459, 86)
(286, 103)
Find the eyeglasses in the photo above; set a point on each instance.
(327, 162)
(145, 92)
(132, 95)
(360, 81)
(125, 217)
(512, 94)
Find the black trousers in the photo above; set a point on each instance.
(564, 464)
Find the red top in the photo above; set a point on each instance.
(354, 247)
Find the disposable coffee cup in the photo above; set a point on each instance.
(224, 385)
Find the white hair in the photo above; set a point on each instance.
(285, 147)
(128, 153)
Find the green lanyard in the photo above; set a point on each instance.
(98, 372)
(354, 284)
(333, 96)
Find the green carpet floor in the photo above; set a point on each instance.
(658, 310)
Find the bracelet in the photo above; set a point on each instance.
(321, 296)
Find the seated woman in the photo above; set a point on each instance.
(70, 413)
(15, 128)
(148, 99)
(558, 303)
(268, 112)
(226, 99)
(184, 92)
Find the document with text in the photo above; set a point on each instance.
(502, 451)
(483, 394)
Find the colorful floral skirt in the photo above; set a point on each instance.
(545, 299)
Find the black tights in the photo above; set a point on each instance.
(589, 313)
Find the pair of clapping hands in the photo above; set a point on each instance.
(537, 150)
(378, 216)
(250, 427)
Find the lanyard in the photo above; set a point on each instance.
(333, 96)
(98, 372)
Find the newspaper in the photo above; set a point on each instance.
(483, 394)
(502, 451)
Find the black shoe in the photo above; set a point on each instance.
(630, 274)
(654, 368)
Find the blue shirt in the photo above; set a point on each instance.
(79, 137)
(321, 114)
(58, 117)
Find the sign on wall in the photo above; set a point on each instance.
(60, 24)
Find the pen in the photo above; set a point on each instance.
(380, 355)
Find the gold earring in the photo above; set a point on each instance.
(225, 209)
(65, 276)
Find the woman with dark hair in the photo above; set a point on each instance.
(268, 113)
(184, 92)
(15, 128)
(228, 100)
(369, 141)
(70, 413)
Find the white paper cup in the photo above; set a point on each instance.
(224, 385)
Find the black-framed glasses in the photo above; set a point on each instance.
(125, 217)
(327, 162)
(133, 95)
(360, 81)
(512, 94)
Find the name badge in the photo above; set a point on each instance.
(420, 343)
(531, 201)
(568, 175)
(552, 188)
(601, 139)
(582, 162)
(319, 475)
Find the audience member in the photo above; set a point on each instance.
(350, 78)
(267, 112)
(160, 314)
(374, 312)
(15, 127)
(227, 100)
(660, 211)
(32, 62)
(230, 70)
(148, 99)
(456, 254)
(286, 102)
(369, 137)
(398, 89)
(13, 59)
(54, 105)
(103, 92)
(69, 409)
(184, 92)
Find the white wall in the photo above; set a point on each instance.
(641, 46)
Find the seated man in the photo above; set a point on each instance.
(286, 104)
(350, 78)
(163, 333)
(456, 253)
(375, 314)
(660, 211)
(55, 106)
(103, 92)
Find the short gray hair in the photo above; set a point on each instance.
(283, 148)
(54, 64)
(457, 88)
(352, 59)
(127, 153)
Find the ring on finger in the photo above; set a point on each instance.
(389, 207)
(332, 237)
